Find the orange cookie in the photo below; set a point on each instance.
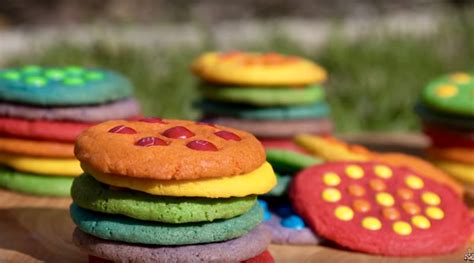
(168, 149)
(256, 69)
(455, 154)
(36, 148)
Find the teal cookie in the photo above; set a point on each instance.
(35, 184)
(48, 86)
(261, 96)
(284, 161)
(125, 229)
(283, 181)
(317, 110)
(90, 194)
(452, 94)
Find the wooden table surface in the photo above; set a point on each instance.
(34, 229)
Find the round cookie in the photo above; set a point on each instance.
(125, 229)
(277, 128)
(45, 166)
(58, 86)
(245, 247)
(36, 148)
(452, 93)
(185, 149)
(121, 109)
(443, 137)
(460, 171)
(284, 161)
(462, 155)
(42, 130)
(35, 184)
(90, 194)
(259, 181)
(435, 117)
(269, 69)
(264, 96)
(282, 144)
(380, 209)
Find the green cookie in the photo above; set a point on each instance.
(35, 184)
(284, 161)
(90, 194)
(125, 229)
(452, 93)
(259, 96)
(283, 181)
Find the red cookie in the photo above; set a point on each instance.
(380, 209)
(284, 144)
(441, 137)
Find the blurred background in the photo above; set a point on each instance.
(379, 53)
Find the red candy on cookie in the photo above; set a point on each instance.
(380, 209)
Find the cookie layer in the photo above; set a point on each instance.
(284, 161)
(445, 137)
(121, 109)
(282, 144)
(460, 171)
(37, 165)
(125, 229)
(438, 118)
(380, 209)
(35, 184)
(185, 149)
(270, 69)
(264, 96)
(259, 181)
(247, 246)
(62, 85)
(36, 148)
(462, 155)
(90, 194)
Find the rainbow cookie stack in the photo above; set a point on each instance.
(161, 190)
(447, 112)
(42, 110)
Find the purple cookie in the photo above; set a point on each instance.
(121, 109)
(288, 235)
(245, 247)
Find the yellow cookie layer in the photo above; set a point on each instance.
(257, 182)
(460, 171)
(46, 166)
(257, 69)
(329, 150)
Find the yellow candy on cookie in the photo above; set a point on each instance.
(46, 166)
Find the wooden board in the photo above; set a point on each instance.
(36, 229)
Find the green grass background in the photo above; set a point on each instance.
(374, 80)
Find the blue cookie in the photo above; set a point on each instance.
(62, 86)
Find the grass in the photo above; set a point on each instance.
(373, 85)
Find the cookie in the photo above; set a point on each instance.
(269, 69)
(247, 246)
(435, 117)
(36, 148)
(452, 154)
(62, 86)
(277, 128)
(125, 229)
(34, 184)
(185, 149)
(121, 109)
(380, 209)
(452, 93)
(282, 144)
(90, 194)
(284, 161)
(37, 165)
(265, 257)
(264, 96)
(42, 130)
(259, 181)
(460, 171)
(444, 137)
(281, 188)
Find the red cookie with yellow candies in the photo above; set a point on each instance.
(167, 149)
(380, 209)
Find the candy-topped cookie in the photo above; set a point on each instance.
(266, 69)
(56, 86)
(168, 149)
(380, 209)
(453, 93)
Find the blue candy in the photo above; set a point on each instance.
(293, 221)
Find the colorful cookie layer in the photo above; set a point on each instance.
(264, 96)
(271, 69)
(90, 194)
(125, 229)
(257, 182)
(435, 117)
(460, 171)
(380, 209)
(186, 149)
(443, 137)
(285, 161)
(282, 144)
(62, 86)
(46, 166)
(36, 148)
(35, 184)
(462, 155)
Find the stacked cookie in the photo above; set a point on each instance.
(42, 110)
(159, 190)
(447, 112)
(270, 95)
